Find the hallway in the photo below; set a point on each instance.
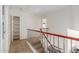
(54, 23)
(19, 46)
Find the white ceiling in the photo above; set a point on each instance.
(40, 9)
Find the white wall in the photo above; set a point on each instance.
(74, 32)
(76, 17)
(0, 31)
(27, 21)
(59, 21)
(62, 20)
(6, 40)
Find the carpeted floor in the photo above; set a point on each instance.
(19, 46)
(36, 43)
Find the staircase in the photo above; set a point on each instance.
(36, 44)
(52, 43)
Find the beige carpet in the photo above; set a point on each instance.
(36, 43)
(19, 46)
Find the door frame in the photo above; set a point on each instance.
(11, 20)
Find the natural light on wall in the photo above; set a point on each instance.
(73, 33)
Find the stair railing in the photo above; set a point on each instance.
(48, 42)
(57, 37)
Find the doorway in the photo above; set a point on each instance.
(16, 28)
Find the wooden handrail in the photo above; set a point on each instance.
(45, 38)
(58, 35)
(50, 42)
